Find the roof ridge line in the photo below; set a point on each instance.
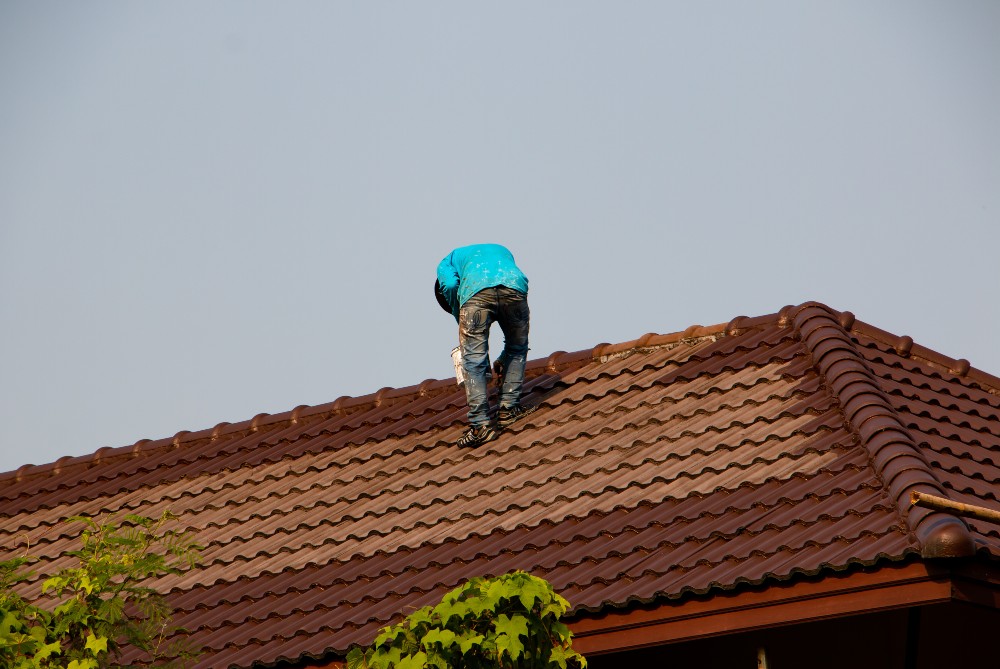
(270, 423)
(905, 347)
(555, 362)
(893, 453)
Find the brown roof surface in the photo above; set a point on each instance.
(657, 469)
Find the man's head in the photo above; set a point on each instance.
(439, 294)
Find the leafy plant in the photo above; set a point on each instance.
(505, 622)
(91, 612)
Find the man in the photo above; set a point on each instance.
(478, 285)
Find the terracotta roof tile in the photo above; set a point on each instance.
(674, 465)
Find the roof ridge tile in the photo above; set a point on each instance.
(905, 347)
(987, 396)
(877, 427)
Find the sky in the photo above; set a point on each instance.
(213, 210)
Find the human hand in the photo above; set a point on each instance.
(499, 370)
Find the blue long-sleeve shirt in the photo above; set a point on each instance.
(469, 269)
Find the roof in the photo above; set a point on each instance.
(763, 451)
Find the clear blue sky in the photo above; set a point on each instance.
(212, 210)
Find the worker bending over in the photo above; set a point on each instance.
(478, 285)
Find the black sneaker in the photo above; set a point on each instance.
(477, 436)
(507, 417)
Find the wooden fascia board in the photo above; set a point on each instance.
(779, 604)
(920, 583)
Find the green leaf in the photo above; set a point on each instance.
(495, 591)
(559, 655)
(48, 649)
(509, 633)
(96, 645)
(465, 643)
(10, 621)
(87, 663)
(510, 645)
(561, 631)
(515, 626)
(383, 659)
(437, 660)
(416, 661)
(562, 655)
(477, 605)
(388, 635)
(444, 637)
(533, 590)
(356, 659)
(447, 609)
(423, 615)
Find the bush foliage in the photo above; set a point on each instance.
(91, 612)
(506, 622)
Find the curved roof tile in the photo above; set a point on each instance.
(764, 450)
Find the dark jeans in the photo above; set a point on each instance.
(509, 308)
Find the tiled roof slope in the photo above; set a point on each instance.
(657, 469)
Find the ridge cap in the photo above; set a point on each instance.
(893, 454)
(905, 347)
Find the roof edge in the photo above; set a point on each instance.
(905, 347)
(893, 453)
(853, 592)
(553, 364)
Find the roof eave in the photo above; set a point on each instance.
(835, 595)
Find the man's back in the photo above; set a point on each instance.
(469, 269)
